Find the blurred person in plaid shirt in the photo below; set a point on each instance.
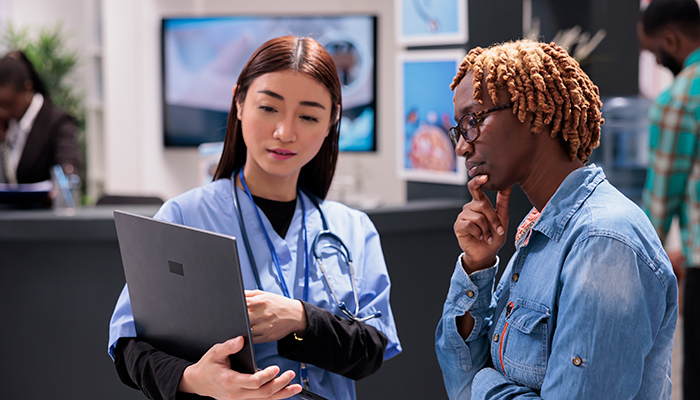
(671, 30)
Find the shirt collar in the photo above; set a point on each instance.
(29, 116)
(692, 57)
(570, 196)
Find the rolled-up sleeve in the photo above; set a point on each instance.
(461, 359)
(122, 322)
(375, 293)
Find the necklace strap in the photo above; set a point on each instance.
(271, 247)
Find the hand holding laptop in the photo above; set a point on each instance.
(212, 376)
(194, 302)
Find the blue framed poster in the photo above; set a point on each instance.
(431, 22)
(425, 114)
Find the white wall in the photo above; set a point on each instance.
(38, 14)
(136, 162)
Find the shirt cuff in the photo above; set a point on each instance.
(473, 290)
(485, 380)
(472, 293)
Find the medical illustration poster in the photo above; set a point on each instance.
(431, 22)
(425, 114)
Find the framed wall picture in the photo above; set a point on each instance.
(202, 57)
(431, 22)
(425, 114)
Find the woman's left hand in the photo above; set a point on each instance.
(273, 317)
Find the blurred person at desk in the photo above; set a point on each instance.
(670, 29)
(586, 308)
(34, 134)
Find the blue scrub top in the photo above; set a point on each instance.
(211, 207)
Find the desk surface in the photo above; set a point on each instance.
(96, 223)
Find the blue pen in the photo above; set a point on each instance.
(63, 185)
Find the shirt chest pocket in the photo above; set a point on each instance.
(524, 342)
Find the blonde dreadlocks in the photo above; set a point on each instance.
(542, 79)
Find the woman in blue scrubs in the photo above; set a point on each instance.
(310, 320)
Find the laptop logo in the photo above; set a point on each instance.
(176, 268)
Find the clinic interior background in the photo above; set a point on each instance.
(120, 74)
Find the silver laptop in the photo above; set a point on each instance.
(186, 289)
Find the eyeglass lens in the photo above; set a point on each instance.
(466, 127)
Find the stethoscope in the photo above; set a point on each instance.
(331, 241)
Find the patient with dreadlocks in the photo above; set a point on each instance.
(567, 100)
(589, 283)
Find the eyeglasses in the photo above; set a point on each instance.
(468, 125)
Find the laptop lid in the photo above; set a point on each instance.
(185, 287)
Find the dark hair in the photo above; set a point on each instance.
(299, 54)
(682, 14)
(16, 70)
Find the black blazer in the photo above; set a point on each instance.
(52, 140)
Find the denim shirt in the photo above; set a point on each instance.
(585, 309)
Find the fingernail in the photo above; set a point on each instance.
(500, 230)
(490, 240)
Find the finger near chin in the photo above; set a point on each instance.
(475, 187)
(502, 202)
(474, 230)
(480, 222)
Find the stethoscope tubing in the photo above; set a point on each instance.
(337, 244)
(340, 246)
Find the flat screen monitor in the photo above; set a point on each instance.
(202, 58)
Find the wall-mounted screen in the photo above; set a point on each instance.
(202, 58)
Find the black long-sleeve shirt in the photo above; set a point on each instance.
(349, 348)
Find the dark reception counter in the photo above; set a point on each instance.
(60, 276)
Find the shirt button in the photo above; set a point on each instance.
(515, 277)
(577, 361)
(470, 293)
(495, 337)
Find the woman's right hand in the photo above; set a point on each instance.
(481, 230)
(212, 376)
